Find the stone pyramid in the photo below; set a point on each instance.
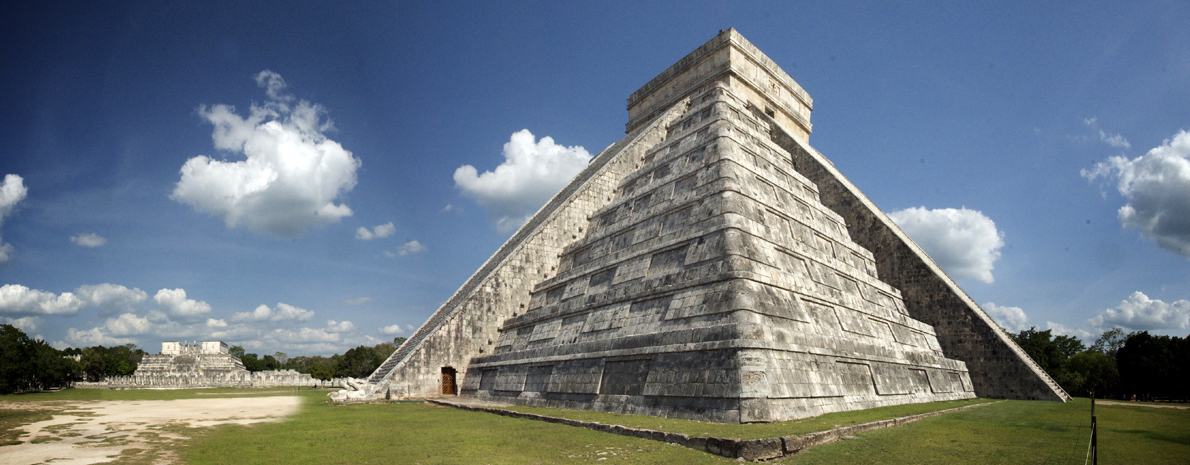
(711, 265)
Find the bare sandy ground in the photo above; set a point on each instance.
(99, 431)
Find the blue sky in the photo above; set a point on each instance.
(1037, 150)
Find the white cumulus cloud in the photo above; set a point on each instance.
(88, 240)
(127, 324)
(1060, 329)
(112, 298)
(1012, 319)
(1157, 186)
(303, 336)
(1141, 313)
(283, 312)
(383, 230)
(965, 243)
(245, 335)
(273, 85)
(175, 303)
(291, 173)
(532, 172)
(12, 191)
(396, 330)
(18, 299)
(1114, 140)
(410, 248)
(333, 326)
(94, 337)
(27, 324)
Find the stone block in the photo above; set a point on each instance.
(761, 449)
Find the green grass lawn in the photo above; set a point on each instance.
(1008, 432)
(1013, 432)
(422, 434)
(749, 431)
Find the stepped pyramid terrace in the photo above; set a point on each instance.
(712, 265)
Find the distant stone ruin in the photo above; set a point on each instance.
(712, 265)
(191, 365)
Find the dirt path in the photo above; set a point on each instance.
(1129, 404)
(100, 431)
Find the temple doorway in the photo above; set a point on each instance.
(449, 387)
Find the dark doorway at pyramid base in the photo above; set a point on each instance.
(449, 386)
(738, 385)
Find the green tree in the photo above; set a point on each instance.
(321, 371)
(14, 359)
(1053, 353)
(94, 364)
(383, 350)
(268, 362)
(358, 362)
(252, 363)
(1098, 372)
(1110, 342)
(1048, 351)
(237, 352)
(397, 341)
(1147, 365)
(317, 366)
(100, 362)
(29, 365)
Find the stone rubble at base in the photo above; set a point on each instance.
(712, 265)
(358, 390)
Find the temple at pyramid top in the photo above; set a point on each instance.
(712, 265)
(728, 57)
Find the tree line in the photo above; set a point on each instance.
(28, 364)
(359, 362)
(1118, 365)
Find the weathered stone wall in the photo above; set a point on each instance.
(467, 324)
(998, 367)
(197, 379)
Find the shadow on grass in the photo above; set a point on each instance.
(753, 430)
(1015, 432)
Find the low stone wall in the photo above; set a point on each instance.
(749, 449)
(89, 385)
